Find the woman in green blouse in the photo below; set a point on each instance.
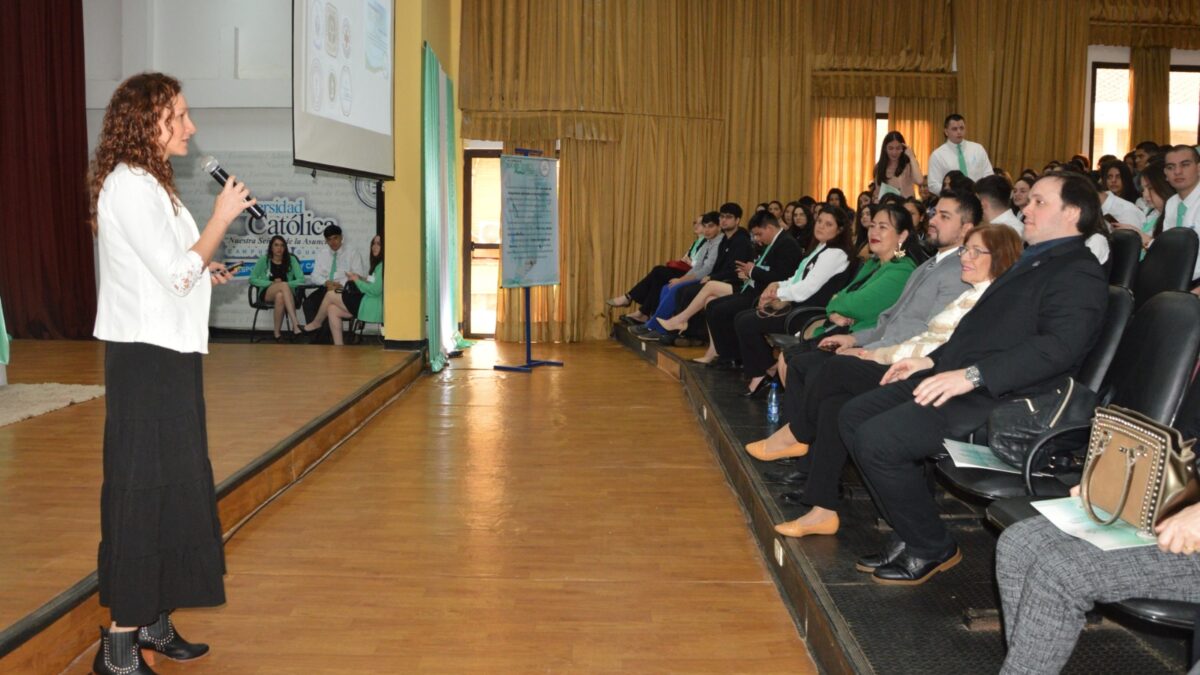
(278, 274)
(365, 302)
(370, 309)
(879, 282)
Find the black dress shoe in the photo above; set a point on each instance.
(162, 637)
(908, 570)
(870, 563)
(761, 389)
(639, 329)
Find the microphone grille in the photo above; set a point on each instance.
(209, 163)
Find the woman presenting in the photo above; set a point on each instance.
(160, 544)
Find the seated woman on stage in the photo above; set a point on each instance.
(278, 274)
(827, 258)
(696, 265)
(812, 424)
(338, 307)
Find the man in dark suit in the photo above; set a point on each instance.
(780, 256)
(1031, 328)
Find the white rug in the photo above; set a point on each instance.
(22, 401)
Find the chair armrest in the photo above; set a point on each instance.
(1041, 447)
(800, 316)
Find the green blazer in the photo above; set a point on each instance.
(370, 310)
(260, 276)
(876, 287)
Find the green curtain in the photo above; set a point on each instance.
(439, 206)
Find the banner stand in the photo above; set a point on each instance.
(529, 364)
(529, 192)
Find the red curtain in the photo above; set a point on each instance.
(47, 275)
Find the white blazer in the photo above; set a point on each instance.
(153, 288)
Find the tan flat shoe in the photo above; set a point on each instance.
(758, 450)
(793, 528)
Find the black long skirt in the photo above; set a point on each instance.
(160, 536)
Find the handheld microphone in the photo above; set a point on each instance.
(210, 166)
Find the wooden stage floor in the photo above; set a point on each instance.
(568, 520)
(50, 468)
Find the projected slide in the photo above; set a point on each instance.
(342, 85)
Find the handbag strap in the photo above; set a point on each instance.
(1086, 482)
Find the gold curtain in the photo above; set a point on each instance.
(920, 120)
(767, 104)
(1025, 105)
(1146, 23)
(843, 145)
(897, 35)
(1149, 94)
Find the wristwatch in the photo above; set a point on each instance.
(974, 377)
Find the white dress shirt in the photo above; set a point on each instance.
(1007, 217)
(828, 264)
(1123, 210)
(348, 260)
(1191, 217)
(153, 288)
(945, 159)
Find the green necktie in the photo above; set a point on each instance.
(333, 268)
(1179, 214)
(962, 160)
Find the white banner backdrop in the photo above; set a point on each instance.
(297, 208)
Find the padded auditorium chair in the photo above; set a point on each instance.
(1125, 248)
(1168, 265)
(799, 317)
(1171, 613)
(1149, 373)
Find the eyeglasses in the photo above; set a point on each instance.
(972, 252)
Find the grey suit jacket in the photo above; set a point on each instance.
(930, 288)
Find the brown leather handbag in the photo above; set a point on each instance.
(1138, 470)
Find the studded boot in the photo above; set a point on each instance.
(119, 655)
(162, 637)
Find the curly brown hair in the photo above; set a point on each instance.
(130, 132)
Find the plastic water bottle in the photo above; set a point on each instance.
(773, 403)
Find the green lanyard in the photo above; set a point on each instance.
(695, 247)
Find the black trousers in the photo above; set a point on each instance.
(831, 385)
(312, 302)
(889, 437)
(800, 365)
(646, 292)
(720, 314)
(751, 330)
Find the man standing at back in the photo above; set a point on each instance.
(1032, 327)
(1183, 210)
(957, 154)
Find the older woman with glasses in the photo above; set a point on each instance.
(988, 252)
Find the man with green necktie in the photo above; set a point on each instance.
(1182, 169)
(957, 154)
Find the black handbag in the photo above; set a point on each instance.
(1015, 425)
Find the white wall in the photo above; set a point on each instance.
(232, 56)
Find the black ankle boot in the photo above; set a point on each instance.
(119, 655)
(162, 637)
